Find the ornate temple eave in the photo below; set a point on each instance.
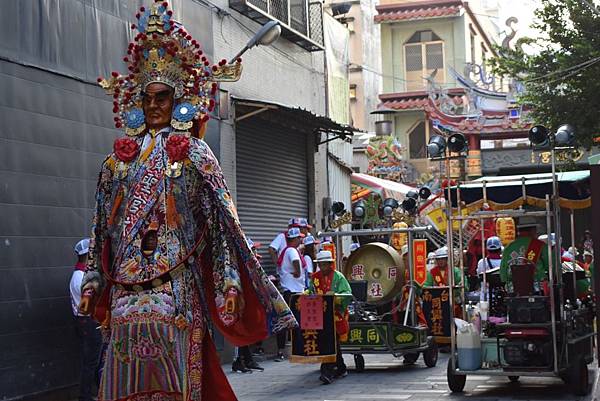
(418, 10)
(409, 101)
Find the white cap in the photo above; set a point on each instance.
(294, 232)
(82, 247)
(544, 238)
(493, 244)
(324, 256)
(567, 255)
(309, 240)
(441, 253)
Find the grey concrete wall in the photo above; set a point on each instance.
(56, 130)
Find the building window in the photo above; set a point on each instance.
(301, 20)
(423, 54)
(353, 91)
(417, 140)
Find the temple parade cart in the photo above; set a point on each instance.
(547, 330)
(376, 273)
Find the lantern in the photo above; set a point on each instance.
(506, 230)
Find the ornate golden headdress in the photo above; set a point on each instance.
(163, 51)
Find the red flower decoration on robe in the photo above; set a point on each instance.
(177, 147)
(126, 149)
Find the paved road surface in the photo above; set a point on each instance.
(385, 379)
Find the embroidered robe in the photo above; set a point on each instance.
(158, 345)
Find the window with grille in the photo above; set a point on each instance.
(416, 141)
(423, 55)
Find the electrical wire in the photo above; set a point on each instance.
(570, 74)
(590, 6)
(251, 32)
(578, 67)
(273, 49)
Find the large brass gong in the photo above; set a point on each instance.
(382, 267)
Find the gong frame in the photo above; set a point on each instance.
(410, 231)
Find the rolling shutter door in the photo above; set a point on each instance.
(271, 180)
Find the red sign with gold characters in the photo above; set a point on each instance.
(419, 251)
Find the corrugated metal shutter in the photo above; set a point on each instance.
(271, 180)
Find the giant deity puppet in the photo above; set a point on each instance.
(167, 253)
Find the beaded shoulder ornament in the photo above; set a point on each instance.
(163, 51)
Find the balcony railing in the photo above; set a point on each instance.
(301, 20)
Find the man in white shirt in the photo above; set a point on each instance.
(279, 243)
(493, 257)
(89, 336)
(309, 254)
(304, 226)
(290, 266)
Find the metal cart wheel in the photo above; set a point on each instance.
(359, 363)
(430, 355)
(411, 358)
(579, 377)
(513, 379)
(456, 383)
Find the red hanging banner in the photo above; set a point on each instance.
(419, 252)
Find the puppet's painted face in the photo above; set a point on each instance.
(157, 102)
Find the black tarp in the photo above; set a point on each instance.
(507, 191)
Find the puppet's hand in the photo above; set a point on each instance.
(89, 298)
(234, 306)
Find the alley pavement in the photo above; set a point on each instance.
(386, 378)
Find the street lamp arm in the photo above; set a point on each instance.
(265, 36)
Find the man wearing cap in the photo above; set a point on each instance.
(492, 259)
(279, 243)
(438, 275)
(309, 253)
(290, 265)
(330, 281)
(89, 336)
(430, 261)
(526, 246)
(304, 226)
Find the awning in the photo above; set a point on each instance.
(302, 119)
(510, 192)
(384, 188)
